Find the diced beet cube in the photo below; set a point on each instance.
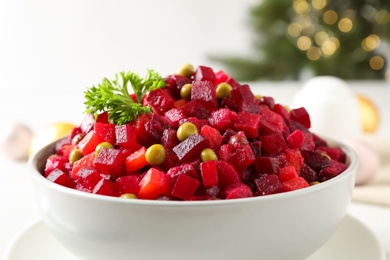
(175, 115)
(308, 143)
(256, 148)
(295, 139)
(267, 164)
(195, 109)
(111, 161)
(308, 173)
(61, 178)
(238, 191)
(335, 153)
(268, 184)
(318, 141)
(186, 169)
(287, 173)
(300, 115)
(156, 126)
(136, 160)
(273, 143)
(227, 174)
(213, 135)
(204, 92)
(153, 184)
(224, 152)
(105, 131)
(185, 186)
(102, 117)
(203, 73)
(128, 184)
(126, 136)
(248, 123)
(105, 187)
(222, 119)
(315, 160)
(282, 111)
(140, 128)
(160, 100)
(294, 184)
(88, 177)
(208, 171)
(55, 162)
(174, 84)
(227, 135)
(180, 103)
(332, 171)
(169, 140)
(294, 158)
(270, 122)
(242, 158)
(245, 99)
(268, 101)
(89, 143)
(190, 147)
(171, 161)
(87, 160)
(220, 76)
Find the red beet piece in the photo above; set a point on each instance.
(195, 109)
(287, 173)
(295, 139)
(208, 172)
(126, 136)
(88, 144)
(175, 115)
(213, 135)
(294, 158)
(270, 122)
(220, 76)
(154, 184)
(87, 123)
(224, 152)
(55, 162)
(301, 115)
(203, 73)
(140, 128)
(256, 148)
(190, 147)
(227, 175)
(155, 127)
(169, 140)
(294, 184)
(268, 184)
(273, 143)
(105, 131)
(102, 117)
(174, 84)
(332, 171)
(242, 158)
(245, 99)
(186, 169)
(199, 123)
(160, 100)
(111, 161)
(248, 123)
(128, 184)
(315, 160)
(238, 191)
(204, 92)
(88, 177)
(282, 111)
(106, 187)
(308, 143)
(222, 119)
(308, 173)
(267, 164)
(335, 153)
(238, 140)
(185, 186)
(268, 101)
(61, 178)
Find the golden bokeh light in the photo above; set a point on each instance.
(345, 25)
(371, 42)
(382, 17)
(336, 41)
(314, 53)
(318, 4)
(301, 6)
(330, 17)
(294, 29)
(328, 48)
(321, 37)
(304, 43)
(377, 62)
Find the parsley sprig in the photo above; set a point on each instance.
(113, 96)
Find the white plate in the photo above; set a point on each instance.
(353, 240)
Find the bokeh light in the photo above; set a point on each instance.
(371, 42)
(318, 4)
(301, 6)
(294, 29)
(330, 17)
(304, 43)
(313, 54)
(345, 25)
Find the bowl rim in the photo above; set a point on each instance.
(42, 154)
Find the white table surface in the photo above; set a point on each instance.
(17, 205)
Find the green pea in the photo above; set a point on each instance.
(129, 196)
(186, 70)
(208, 154)
(223, 90)
(186, 130)
(314, 183)
(99, 147)
(185, 91)
(75, 155)
(155, 154)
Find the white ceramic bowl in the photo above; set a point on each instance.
(289, 225)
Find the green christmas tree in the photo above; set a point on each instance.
(346, 39)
